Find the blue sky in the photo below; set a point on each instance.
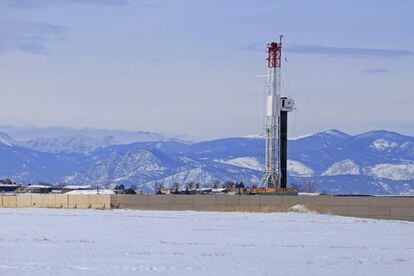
(193, 67)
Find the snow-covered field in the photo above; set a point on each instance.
(120, 242)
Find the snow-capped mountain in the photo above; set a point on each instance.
(379, 162)
(144, 164)
(68, 144)
(324, 158)
(27, 133)
(72, 140)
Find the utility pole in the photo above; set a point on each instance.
(276, 121)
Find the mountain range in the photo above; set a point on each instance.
(374, 162)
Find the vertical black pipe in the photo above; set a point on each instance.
(283, 148)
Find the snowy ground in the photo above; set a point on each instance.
(119, 242)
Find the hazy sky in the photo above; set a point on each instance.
(191, 67)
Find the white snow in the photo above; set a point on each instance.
(383, 145)
(393, 171)
(218, 190)
(8, 185)
(301, 136)
(120, 242)
(344, 167)
(331, 132)
(334, 132)
(38, 186)
(6, 139)
(406, 145)
(77, 187)
(300, 208)
(309, 194)
(296, 168)
(244, 162)
(5, 142)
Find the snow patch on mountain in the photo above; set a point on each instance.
(244, 162)
(407, 145)
(335, 132)
(344, 167)
(331, 132)
(300, 137)
(393, 171)
(6, 139)
(383, 145)
(296, 168)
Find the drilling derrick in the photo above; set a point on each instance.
(275, 170)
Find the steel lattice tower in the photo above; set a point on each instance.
(275, 107)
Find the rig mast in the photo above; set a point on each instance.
(276, 121)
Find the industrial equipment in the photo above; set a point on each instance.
(277, 107)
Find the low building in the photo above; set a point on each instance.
(219, 191)
(164, 191)
(204, 190)
(69, 188)
(8, 187)
(91, 192)
(38, 189)
(116, 187)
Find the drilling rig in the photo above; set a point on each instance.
(277, 107)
